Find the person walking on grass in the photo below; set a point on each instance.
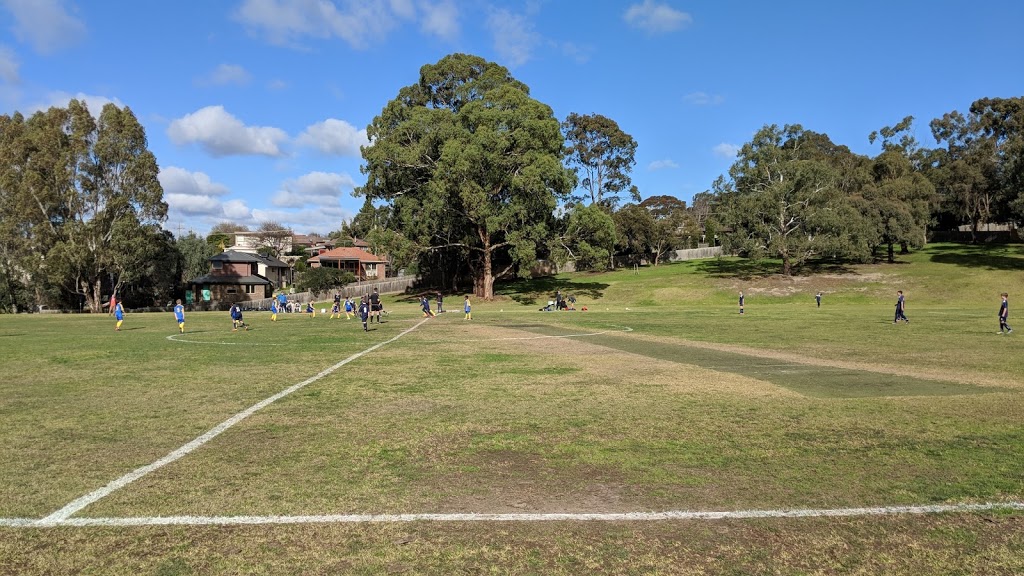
(741, 302)
(440, 303)
(179, 315)
(1004, 313)
(364, 312)
(468, 309)
(901, 308)
(118, 315)
(817, 298)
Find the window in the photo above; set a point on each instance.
(217, 265)
(231, 290)
(250, 288)
(371, 270)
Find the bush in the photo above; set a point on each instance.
(323, 279)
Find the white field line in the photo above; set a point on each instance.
(64, 513)
(550, 517)
(580, 335)
(177, 338)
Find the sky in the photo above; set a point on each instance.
(256, 109)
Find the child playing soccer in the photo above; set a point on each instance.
(273, 310)
(311, 310)
(119, 315)
(179, 315)
(425, 305)
(468, 308)
(1004, 313)
(348, 308)
(336, 310)
(236, 319)
(364, 312)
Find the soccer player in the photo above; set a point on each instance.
(901, 308)
(425, 305)
(179, 315)
(236, 318)
(273, 309)
(817, 298)
(336, 309)
(1004, 313)
(440, 302)
(468, 308)
(349, 308)
(364, 312)
(375, 306)
(311, 310)
(741, 302)
(119, 315)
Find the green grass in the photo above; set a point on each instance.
(697, 408)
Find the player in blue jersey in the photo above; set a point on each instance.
(468, 308)
(273, 309)
(1004, 313)
(119, 315)
(179, 315)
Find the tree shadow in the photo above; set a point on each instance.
(745, 269)
(528, 292)
(979, 256)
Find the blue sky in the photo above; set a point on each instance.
(255, 109)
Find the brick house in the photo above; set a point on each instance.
(362, 264)
(241, 277)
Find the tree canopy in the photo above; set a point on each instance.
(470, 165)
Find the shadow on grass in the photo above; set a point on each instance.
(745, 269)
(980, 256)
(529, 292)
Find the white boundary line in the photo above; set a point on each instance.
(176, 338)
(623, 329)
(64, 513)
(549, 517)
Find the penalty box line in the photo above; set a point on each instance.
(519, 517)
(67, 511)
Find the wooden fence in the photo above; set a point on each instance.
(696, 253)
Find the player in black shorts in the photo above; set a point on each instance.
(375, 306)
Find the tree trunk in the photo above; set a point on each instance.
(892, 258)
(787, 266)
(93, 295)
(485, 287)
(904, 249)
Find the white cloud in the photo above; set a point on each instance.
(333, 136)
(319, 188)
(225, 74)
(180, 181)
(277, 84)
(357, 22)
(93, 102)
(726, 150)
(576, 52)
(655, 18)
(662, 165)
(514, 37)
(704, 99)
(440, 19)
(221, 134)
(45, 24)
(237, 211)
(313, 219)
(8, 65)
(188, 205)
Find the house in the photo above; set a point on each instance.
(362, 264)
(237, 276)
(251, 242)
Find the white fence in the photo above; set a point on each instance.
(696, 253)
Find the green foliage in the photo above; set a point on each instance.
(323, 279)
(604, 153)
(90, 198)
(783, 200)
(195, 255)
(470, 165)
(588, 240)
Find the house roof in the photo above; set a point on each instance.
(346, 253)
(221, 279)
(236, 256)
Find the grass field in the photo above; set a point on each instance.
(660, 397)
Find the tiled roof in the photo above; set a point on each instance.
(346, 253)
(230, 279)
